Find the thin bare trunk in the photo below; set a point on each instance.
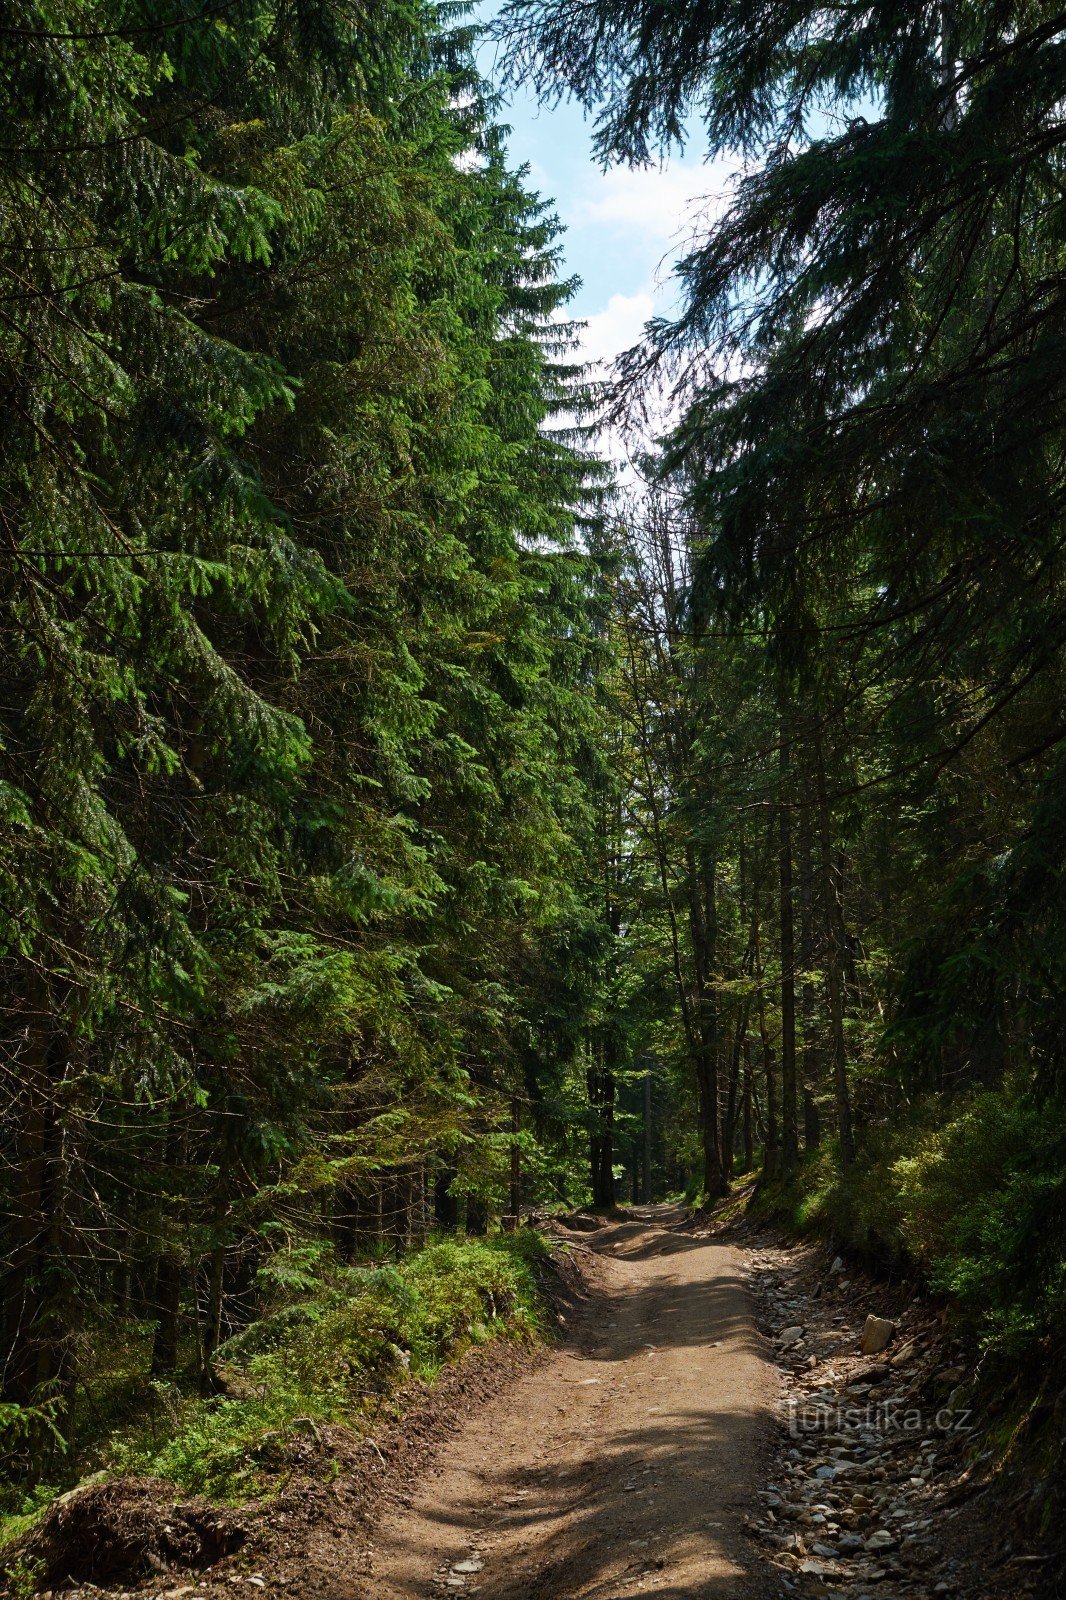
(770, 1147)
(811, 1060)
(834, 931)
(749, 1131)
(789, 1138)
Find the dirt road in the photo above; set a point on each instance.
(621, 1466)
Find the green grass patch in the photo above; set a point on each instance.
(337, 1356)
(338, 1351)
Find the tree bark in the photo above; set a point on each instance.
(601, 1093)
(703, 929)
(811, 1066)
(749, 1130)
(167, 1314)
(729, 1125)
(789, 1138)
(445, 1204)
(645, 1184)
(834, 931)
(477, 1216)
(812, 1125)
(516, 1162)
(770, 1146)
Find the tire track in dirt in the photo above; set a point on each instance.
(621, 1466)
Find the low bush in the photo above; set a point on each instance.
(333, 1356)
(975, 1199)
(859, 1208)
(983, 1206)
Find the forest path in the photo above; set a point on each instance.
(623, 1464)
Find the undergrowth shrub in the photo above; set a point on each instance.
(983, 1203)
(858, 1207)
(335, 1355)
(976, 1201)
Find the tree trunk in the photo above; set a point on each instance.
(770, 1148)
(749, 1130)
(812, 1126)
(703, 926)
(38, 1316)
(811, 1069)
(789, 1139)
(170, 1261)
(516, 1163)
(216, 1278)
(833, 966)
(729, 1125)
(477, 1216)
(25, 1348)
(445, 1203)
(167, 1314)
(601, 1093)
(211, 1328)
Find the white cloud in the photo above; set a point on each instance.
(605, 335)
(660, 205)
(641, 222)
(618, 326)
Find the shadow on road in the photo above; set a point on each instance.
(623, 1466)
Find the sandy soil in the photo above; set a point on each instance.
(621, 1466)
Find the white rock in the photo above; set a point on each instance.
(876, 1334)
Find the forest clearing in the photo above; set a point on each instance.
(532, 800)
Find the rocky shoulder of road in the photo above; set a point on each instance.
(885, 1483)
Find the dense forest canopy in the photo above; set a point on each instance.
(859, 727)
(401, 825)
(299, 731)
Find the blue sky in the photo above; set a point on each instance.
(624, 228)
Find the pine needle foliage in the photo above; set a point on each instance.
(297, 740)
(865, 489)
